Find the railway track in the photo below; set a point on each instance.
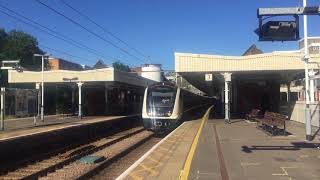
(115, 169)
(66, 165)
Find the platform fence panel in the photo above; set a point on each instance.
(20, 108)
(21, 102)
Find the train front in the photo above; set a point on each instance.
(160, 106)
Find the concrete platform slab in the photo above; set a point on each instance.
(52, 124)
(166, 161)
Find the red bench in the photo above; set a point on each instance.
(274, 122)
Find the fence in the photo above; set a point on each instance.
(18, 103)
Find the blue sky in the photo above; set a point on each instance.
(156, 28)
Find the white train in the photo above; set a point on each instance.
(165, 103)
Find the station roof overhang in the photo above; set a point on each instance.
(276, 66)
(96, 76)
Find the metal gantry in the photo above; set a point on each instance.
(289, 11)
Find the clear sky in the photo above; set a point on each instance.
(156, 28)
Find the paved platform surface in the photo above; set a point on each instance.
(51, 123)
(241, 151)
(28, 122)
(236, 151)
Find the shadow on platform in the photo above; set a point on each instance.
(295, 147)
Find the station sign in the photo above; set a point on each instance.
(208, 77)
(279, 31)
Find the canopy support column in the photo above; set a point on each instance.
(312, 86)
(227, 81)
(80, 99)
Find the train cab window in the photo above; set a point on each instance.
(162, 96)
(160, 101)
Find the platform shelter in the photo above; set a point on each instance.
(98, 91)
(246, 82)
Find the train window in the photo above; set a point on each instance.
(162, 96)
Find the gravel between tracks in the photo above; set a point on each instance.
(115, 169)
(77, 169)
(75, 153)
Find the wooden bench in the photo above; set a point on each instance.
(255, 113)
(272, 121)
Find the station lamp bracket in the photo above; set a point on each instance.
(9, 64)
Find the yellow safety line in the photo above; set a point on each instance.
(184, 174)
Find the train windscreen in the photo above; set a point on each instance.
(161, 100)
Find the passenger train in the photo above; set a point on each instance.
(165, 103)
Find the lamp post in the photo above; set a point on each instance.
(42, 82)
(306, 71)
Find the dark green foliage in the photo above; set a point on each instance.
(3, 36)
(3, 78)
(20, 45)
(120, 66)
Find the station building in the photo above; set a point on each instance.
(105, 91)
(242, 83)
(99, 90)
(61, 64)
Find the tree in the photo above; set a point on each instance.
(16, 45)
(3, 36)
(120, 66)
(20, 45)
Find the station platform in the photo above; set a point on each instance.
(23, 127)
(211, 149)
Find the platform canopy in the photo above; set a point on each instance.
(279, 66)
(88, 76)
